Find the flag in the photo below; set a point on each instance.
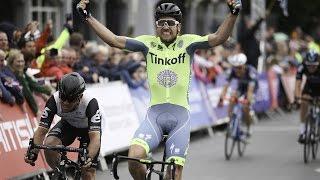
(284, 7)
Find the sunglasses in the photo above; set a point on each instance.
(168, 22)
(69, 99)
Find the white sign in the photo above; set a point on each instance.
(120, 119)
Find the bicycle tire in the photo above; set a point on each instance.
(228, 148)
(315, 143)
(307, 143)
(241, 147)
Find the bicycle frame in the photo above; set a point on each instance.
(237, 113)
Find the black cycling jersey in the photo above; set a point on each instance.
(312, 84)
(249, 78)
(86, 115)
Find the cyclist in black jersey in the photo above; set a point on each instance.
(311, 70)
(80, 117)
(247, 85)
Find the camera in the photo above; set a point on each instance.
(53, 52)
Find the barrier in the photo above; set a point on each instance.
(120, 119)
(15, 131)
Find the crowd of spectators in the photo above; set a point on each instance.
(32, 61)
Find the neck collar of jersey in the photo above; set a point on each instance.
(170, 45)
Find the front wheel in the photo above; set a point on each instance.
(315, 140)
(307, 142)
(229, 142)
(241, 147)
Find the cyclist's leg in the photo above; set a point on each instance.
(232, 102)
(178, 140)
(146, 138)
(303, 113)
(88, 174)
(58, 135)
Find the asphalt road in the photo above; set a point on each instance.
(273, 154)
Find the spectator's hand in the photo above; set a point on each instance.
(34, 26)
(85, 69)
(8, 79)
(82, 8)
(95, 77)
(235, 6)
(69, 23)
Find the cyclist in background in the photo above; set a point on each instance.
(246, 76)
(169, 57)
(80, 117)
(311, 70)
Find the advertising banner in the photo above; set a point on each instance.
(120, 119)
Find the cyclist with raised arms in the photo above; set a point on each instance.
(247, 86)
(80, 117)
(311, 69)
(169, 57)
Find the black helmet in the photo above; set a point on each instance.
(311, 58)
(168, 9)
(71, 86)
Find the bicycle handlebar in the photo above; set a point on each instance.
(116, 159)
(59, 148)
(314, 100)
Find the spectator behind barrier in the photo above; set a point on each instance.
(67, 60)
(17, 64)
(11, 91)
(12, 32)
(247, 39)
(77, 43)
(133, 71)
(50, 67)
(86, 67)
(4, 44)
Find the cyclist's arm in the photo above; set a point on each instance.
(230, 75)
(106, 35)
(94, 120)
(224, 90)
(223, 32)
(45, 122)
(297, 91)
(250, 90)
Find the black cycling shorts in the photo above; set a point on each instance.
(67, 134)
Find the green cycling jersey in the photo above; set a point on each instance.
(168, 67)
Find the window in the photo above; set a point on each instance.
(43, 10)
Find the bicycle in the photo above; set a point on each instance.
(60, 172)
(312, 130)
(149, 163)
(234, 133)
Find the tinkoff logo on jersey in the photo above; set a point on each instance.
(167, 78)
(167, 61)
